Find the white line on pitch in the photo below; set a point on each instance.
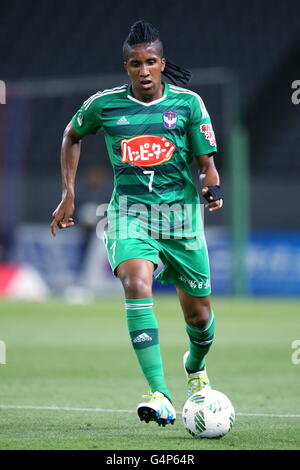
(268, 415)
(65, 408)
(107, 410)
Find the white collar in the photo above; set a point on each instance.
(151, 102)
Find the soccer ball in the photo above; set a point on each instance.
(208, 413)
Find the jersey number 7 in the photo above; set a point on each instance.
(151, 173)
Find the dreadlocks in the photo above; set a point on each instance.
(142, 32)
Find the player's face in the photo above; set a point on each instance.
(144, 66)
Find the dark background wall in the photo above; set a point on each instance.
(258, 40)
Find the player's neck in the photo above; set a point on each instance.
(147, 97)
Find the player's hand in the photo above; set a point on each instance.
(62, 216)
(214, 203)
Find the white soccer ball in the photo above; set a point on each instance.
(208, 413)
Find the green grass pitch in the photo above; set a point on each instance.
(79, 359)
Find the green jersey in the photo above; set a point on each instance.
(150, 145)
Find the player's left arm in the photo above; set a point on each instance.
(203, 147)
(211, 180)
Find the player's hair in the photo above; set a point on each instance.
(142, 32)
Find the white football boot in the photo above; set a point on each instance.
(158, 408)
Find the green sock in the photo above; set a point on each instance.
(200, 343)
(143, 330)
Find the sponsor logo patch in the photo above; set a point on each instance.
(170, 119)
(207, 130)
(147, 150)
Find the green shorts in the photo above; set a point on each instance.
(185, 261)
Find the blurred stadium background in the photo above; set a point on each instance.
(244, 60)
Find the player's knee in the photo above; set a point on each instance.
(198, 317)
(137, 287)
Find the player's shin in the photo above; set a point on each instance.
(199, 344)
(143, 330)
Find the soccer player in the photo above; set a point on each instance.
(153, 130)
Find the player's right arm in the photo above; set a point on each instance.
(86, 121)
(70, 153)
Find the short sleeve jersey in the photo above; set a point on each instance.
(150, 145)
